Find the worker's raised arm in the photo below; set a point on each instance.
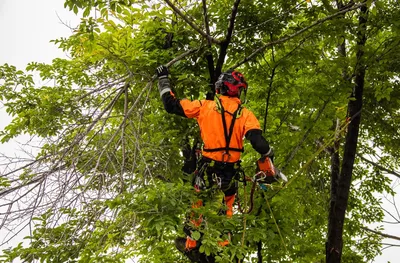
(184, 108)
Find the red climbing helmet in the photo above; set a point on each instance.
(231, 83)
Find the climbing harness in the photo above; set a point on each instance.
(203, 180)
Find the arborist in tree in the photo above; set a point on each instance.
(223, 123)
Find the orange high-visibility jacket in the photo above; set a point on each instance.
(209, 117)
(211, 126)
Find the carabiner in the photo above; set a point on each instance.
(223, 159)
(258, 178)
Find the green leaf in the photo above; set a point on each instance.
(196, 235)
(86, 12)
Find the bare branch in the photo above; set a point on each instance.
(12, 189)
(122, 137)
(381, 234)
(380, 167)
(397, 220)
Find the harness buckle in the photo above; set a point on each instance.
(217, 180)
(199, 180)
(223, 157)
(199, 183)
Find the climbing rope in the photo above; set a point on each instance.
(251, 205)
(277, 227)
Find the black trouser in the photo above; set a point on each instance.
(208, 176)
(218, 175)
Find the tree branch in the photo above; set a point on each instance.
(334, 244)
(380, 233)
(227, 40)
(187, 20)
(305, 136)
(380, 167)
(12, 189)
(172, 62)
(123, 142)
(206, 23)
(232, 21)
(284, 39)
(79, 137)
(271, 80)
(209, 56)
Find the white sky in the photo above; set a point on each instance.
(27, 26)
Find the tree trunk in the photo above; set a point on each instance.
(339, 204)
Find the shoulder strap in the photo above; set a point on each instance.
(228, 134)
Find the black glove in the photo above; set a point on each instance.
(162, 71)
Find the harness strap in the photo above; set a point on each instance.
(224, 148)
(227, 133)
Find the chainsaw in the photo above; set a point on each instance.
(267, 173)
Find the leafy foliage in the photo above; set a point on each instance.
(107, 185)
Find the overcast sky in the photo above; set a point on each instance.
(27, 26)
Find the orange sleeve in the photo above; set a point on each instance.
(251, 122)
(191, 108)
